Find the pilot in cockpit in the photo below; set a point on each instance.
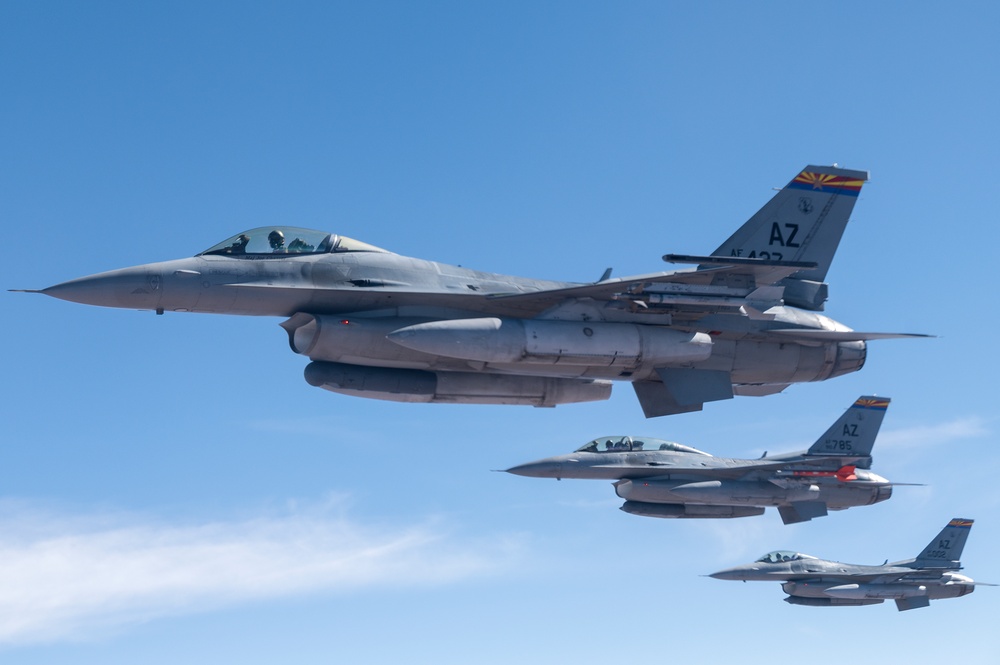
(240, 246)
(277, 241)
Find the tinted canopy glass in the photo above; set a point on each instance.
(276, 240)
(617, 444)
(783, 555)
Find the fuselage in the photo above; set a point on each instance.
(380, 325)
(651, 471)
(911, 583)
(387, 292)
(804, 576)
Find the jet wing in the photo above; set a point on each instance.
(731, 470)
(607, 289)
(762, 270)
(715, 275)
(812, 335)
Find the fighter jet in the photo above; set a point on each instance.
(376, 324)
(911, 583)
(666, 479)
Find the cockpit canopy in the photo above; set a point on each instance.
(779, 556)
(619, 444)
(276, 240)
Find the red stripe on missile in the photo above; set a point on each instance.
(843, 474)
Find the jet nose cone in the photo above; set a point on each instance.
(729, 574)
(134, 288)
(537, 470)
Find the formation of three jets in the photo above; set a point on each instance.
(744, 321)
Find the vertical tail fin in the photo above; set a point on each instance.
(945, 551)
(853, 435)
(802, 222)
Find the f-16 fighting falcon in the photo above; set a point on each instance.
(911, 583)
(666, 479)
(376, 324)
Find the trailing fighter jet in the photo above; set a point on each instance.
(666, 479)
(376, 324)
(911, 583)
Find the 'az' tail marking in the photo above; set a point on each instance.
(945, 551)
(853, 435)
(802, 222)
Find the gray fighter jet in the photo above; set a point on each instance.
(666, 479)
(911, 583)
(376, 324)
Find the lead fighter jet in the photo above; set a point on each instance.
(912, 583)
(666, 479)
(380, 325)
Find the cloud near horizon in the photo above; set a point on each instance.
(65, 575)
(969, 427)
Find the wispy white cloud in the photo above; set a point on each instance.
(738, 540)
(65, 575)
(591, 504)
(943, 433)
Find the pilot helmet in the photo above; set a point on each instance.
(276, 238)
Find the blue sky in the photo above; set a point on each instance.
(171, 490)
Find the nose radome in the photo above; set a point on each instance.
(726, 574)
(736, 573)
(133, 288)
(536, 469)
